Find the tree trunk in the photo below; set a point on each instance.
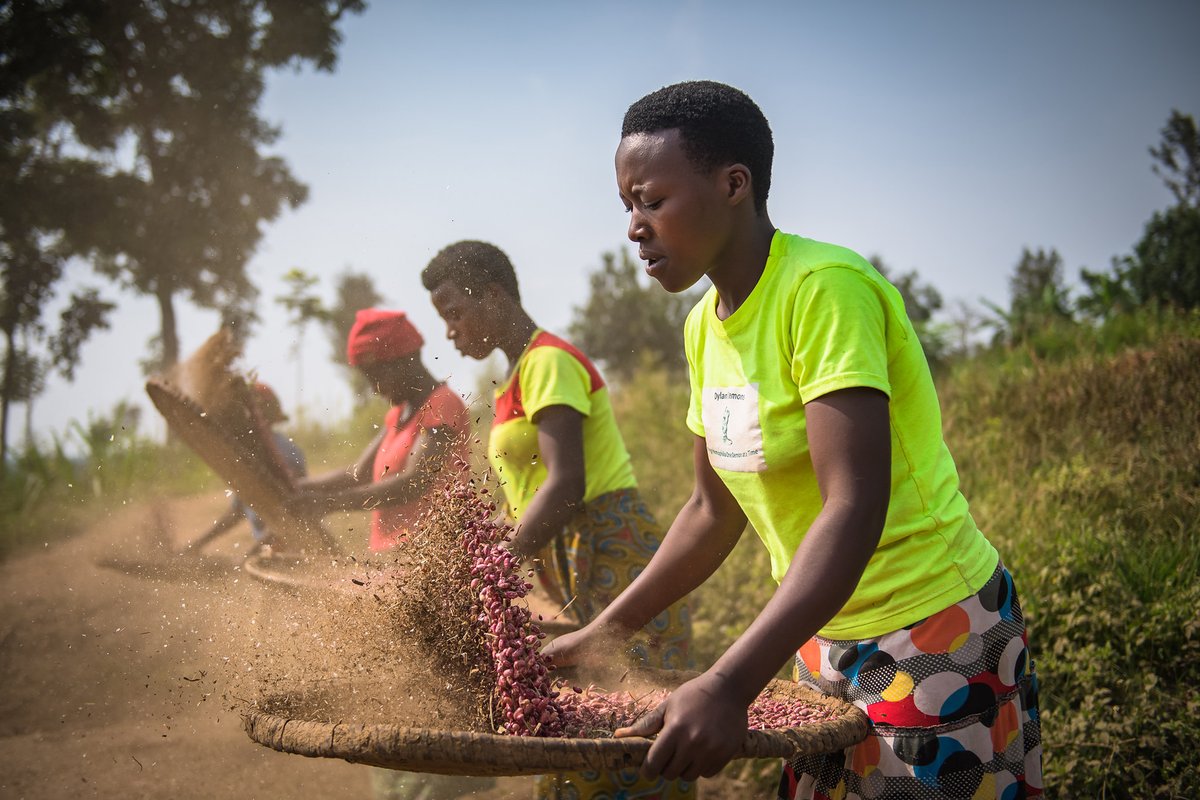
(169, 334)
(5, 396)
(28, 443)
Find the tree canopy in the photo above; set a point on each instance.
(1177, 158)
(163, 97)
(355, 291)
(1164, 268)
(130, 134)
(626, 319)
(1038, 296)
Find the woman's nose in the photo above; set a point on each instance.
(637, 227)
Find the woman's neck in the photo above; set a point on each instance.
(414, 392)
(514, 332)
(742, 265)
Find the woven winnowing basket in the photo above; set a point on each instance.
(245, 460)
(451, 752)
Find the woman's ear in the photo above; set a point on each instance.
(495, 296)
(738, 183)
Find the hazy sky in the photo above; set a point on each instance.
(944, 136)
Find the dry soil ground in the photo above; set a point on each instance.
(120, 681)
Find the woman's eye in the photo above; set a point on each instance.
(651, 206)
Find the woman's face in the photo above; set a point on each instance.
(391, 379)
(469, 323)
(679, 217)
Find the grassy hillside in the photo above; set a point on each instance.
(1085, 472)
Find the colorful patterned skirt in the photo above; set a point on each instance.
(599, 554)
(953, 702)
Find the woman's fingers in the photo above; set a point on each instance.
(646, 725)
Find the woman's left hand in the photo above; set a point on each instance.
(700, 727)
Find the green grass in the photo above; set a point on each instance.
(1083, 470)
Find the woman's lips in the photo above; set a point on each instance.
(653, 260)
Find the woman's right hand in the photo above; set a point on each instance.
(564, 649)
(591, 644)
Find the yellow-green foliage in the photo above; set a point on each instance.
(48, 492)
(1085, 472)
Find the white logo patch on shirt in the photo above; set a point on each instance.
(732, 430)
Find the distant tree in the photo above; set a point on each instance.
(303, 307)
(172, 93)
(965, 321)
(1178, 158)
(85, 312)
(921, 302)
(1164, 268)
(30, 349)
(43, 198)
(1107, 293)
(625, 317)
(1165, 265)
(1037, 297)
(355, 291)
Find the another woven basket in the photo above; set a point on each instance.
(451, 752)
(245, 464)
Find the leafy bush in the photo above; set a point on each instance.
(1084, 472)
(49, 491)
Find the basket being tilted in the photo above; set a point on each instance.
(278, 722)
(217, 418)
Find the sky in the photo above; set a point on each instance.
(943, 136)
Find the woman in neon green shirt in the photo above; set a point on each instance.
(567, 479)
(816, 420)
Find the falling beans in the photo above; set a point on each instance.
(524, 699)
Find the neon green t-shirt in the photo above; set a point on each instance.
(551, 372)
(821, 318)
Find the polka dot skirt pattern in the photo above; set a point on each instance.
(953, 702)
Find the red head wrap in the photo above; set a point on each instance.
(380, 335)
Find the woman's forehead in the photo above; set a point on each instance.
(642, 154)
(447, 294)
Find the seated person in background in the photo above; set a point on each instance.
(424, 430)
(269, 406)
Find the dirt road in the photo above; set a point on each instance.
(110, 684)
(116, 682)
(121, 667)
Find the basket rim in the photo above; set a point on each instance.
(457, 752)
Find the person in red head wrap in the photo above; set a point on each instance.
(425, 428)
